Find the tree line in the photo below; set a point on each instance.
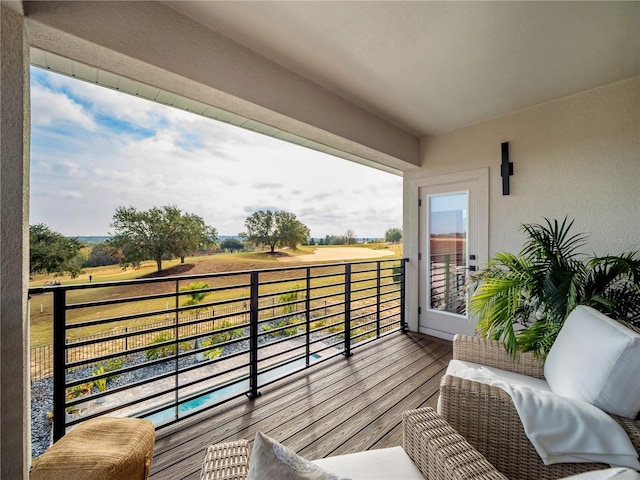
(162, 233)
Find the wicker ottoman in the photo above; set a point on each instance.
(104, 448)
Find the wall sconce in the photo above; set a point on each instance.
(506, 168)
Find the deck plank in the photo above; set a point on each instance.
(340, 406)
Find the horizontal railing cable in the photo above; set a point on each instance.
(153, 348)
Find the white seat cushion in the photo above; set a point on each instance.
(382, 464)
(509, 377)
(597, 360)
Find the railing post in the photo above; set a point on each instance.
(403, 270)
(59, 364)
(378, 299)
(176, 343)
(447, 281)
(253, 337)
(307, 307)
(347, 310)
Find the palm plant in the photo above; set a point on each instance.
(522, 300)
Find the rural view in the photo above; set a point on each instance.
(177, 262)
(219, 260)
(193, 306)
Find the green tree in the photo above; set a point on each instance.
(290, 230)
(191, 234)
(337, 239)
(350, 237)
(51, 252)
(103, 254)
(196, 295)
(267, 228)
(157, 233)
(261, 229)
(232, 244)
(393, 235)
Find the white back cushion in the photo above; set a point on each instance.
(597, 360)
(383, 464)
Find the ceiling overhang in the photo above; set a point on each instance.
(219, 78)
(56, 63)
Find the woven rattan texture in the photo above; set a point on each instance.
(103, 448)
(440, 452)
(493, 354)
(487, 418)
(227, 461)
(434, 447)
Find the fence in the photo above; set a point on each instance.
(260, 326)
(42, 355)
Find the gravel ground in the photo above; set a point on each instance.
(41, 403)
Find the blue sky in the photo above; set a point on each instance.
(94, 149)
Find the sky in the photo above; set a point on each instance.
(94, 149)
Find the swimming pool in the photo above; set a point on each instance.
(224, 393)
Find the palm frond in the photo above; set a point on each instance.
(552, 242)
(538, 338)
(539, 287)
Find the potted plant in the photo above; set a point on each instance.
(522, 300)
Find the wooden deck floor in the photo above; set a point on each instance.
(340, 406)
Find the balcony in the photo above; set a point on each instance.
(304, 344)
(341, 406)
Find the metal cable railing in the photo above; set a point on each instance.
(113, 355)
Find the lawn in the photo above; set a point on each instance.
(41, 305)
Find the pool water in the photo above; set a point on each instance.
(168, 414)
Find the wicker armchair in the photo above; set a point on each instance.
(487, 418)
(438, 451)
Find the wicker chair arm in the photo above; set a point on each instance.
(439, 452)
(226, 461)
(493, 354)
(632, 427)
(486, 416)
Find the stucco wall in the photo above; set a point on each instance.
(15, 450)
(577, 157)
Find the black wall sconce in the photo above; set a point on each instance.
(506, 168)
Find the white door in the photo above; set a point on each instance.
(450, 248)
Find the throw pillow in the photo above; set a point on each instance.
(596, 359)
(272, 461)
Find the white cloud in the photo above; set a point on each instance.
(71, 194)
(215, 170)
(50, 108)
(109, 102)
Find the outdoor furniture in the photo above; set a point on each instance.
(103, 448)
(433, 447)
(486, 415)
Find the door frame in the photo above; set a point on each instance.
(412, 234)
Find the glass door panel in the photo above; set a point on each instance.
(448, 227)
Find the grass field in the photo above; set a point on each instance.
(41, 304)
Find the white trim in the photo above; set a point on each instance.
(412, 233)
(437, 333)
